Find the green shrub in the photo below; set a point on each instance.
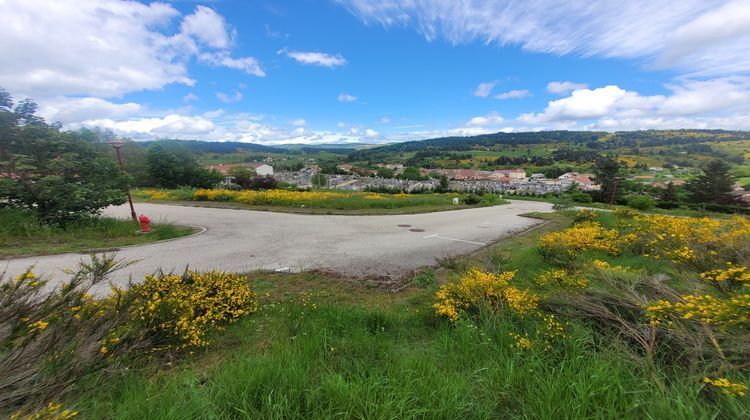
(640, 202)
(472, 199)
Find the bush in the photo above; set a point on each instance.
(581, 197)
(472, 199)
(50, 338)
(640, 202)
(180, 309)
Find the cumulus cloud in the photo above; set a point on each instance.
(513, 94)
(564, 87)
(490, 119)
(208, 27)
(385, 120)
(315, 58)
(73, 110)
(298, 122)
(345, 97)
(190, 97)
(484, 89)
(228, 99)
(721, 102)
(222, 59)
(706, 37)
(107, 48)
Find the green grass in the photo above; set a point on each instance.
(323, 347)
(367, 354)
(354, 204)
(22, 235)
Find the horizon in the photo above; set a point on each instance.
(380, 73)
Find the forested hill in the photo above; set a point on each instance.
(591, 139)
(198, 146)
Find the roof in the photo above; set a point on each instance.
(256, 165)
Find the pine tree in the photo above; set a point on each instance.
(714, 185)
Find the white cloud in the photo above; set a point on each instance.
(106, 48)
(222, 59)
(228, 99)
(721, 102)
(170, 126)
(314, 58)
(564, 87)
(208, 27)
(371, 134)
(73, 110)
(706, 37)
(490, 119)
(484, 89)
(513, 94)
(341, 124)
(385, 120)
(345, 97)
(298, 122)
(214, 114)
(190, 97)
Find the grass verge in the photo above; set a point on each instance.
(21, 235)
(319, 202)
(322, 347)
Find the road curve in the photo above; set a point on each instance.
(244, 240)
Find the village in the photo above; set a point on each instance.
(514, 181)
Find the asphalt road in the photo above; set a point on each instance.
(244, 240)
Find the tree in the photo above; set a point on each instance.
(385, 173)
(714, 185)
(56, 174)
(607, 174)
(669, 194)
(266, 182)
(412, 173)
(243, 176)
(319, 180)
(164, 169)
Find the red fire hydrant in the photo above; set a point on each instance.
(144, 223)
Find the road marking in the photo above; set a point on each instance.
(435, 235)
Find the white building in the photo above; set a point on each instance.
(261, 169)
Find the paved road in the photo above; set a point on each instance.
(244, 240)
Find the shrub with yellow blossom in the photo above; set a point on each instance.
(52, 411)
(564, 246)
(729, 278)
(477, 288)
(723, 313)
(727, 387)
(183, 308)
(159, 195)
(562, 278)
(699, 242)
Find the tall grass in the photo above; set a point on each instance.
(397, 362)
(22, 234)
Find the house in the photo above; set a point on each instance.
(584, 181)
(508, 173)
(261, 169)
(467, 174)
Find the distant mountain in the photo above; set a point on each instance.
(592, 139)
(217, 147)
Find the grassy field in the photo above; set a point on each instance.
(318, 201)
(21, 235)
(323, 347)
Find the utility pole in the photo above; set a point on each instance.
(117, 144)
(614, 191)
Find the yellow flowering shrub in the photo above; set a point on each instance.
(561, 278)
(733, 275)
(554, 331)
(522, 342)
(566, 245)
(732, 311)
(477, 288)
(53, 411)
(702, 242)
(159, 195)
(734, 389)
(183, 308)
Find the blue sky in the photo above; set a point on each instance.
(340, 71)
